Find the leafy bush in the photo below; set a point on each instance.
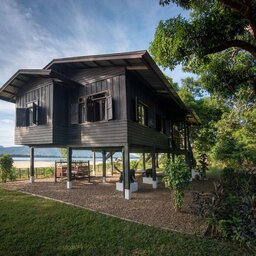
(12, 174)
(6, 162)
(49, 172)
(203, 167)
(177, 178)
(231, 210)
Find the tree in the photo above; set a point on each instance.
(6, 162)
(63, 153)
(217, 42)
(236, 141)
(208, 108)
(215, 25)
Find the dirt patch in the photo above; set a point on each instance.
(148, 206)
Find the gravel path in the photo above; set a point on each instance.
(148, 206)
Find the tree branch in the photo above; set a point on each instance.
(226, 45)
(234, 43)
(246, 10)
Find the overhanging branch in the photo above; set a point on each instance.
(245, 10)
(234, 43)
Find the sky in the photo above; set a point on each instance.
(33, 32)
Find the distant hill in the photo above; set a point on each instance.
(23, 151)
(43, 152)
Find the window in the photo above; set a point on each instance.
(28, 116)
(96, 107)
(142, 113)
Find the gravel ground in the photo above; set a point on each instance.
(148, 206)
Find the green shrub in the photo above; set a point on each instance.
(177, 178)
(231, 210)
(12, 174)
(6, 162)
(228, 172)
(49, 172)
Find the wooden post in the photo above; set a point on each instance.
(55, 171)
(112, 164)
(172, 142)
(69, 167)
(94, 162)
(154, 181)
(190, 154)
(104, 168)
(143, 161)
(186, 143)
(31, 169)
(126, 172)
(157, 165)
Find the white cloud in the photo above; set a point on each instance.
(6, 132)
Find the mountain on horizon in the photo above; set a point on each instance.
(43, 152)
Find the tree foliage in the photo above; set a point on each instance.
(217, 42)
(208, 108)
(6, 163)
(215, 25)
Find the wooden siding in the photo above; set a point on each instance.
(140, 135)
(103, 133)
(34, 135)
(40, 90)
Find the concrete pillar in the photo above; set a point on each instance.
(69, 167)
(126, 172)
(31, 169)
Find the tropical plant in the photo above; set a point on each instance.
(177, 178)
(231, 210)
(6, 163)
(203, 165)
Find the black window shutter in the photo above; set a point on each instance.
(90, 111)
(109, 107)
(85, 110)
(21, 117)
(35, 113)
(151, 118)
(74, 113)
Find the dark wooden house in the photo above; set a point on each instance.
(108, 103)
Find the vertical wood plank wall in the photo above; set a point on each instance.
(38, 90)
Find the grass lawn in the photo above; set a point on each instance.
(35, 226)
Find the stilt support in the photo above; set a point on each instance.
(154, 181)
(32, 169)
(104, 167)
(69, 169)
(126, 172)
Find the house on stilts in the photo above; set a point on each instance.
(108, 103)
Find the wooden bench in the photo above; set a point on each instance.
(79, 170)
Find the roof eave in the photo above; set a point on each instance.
(110, 56)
